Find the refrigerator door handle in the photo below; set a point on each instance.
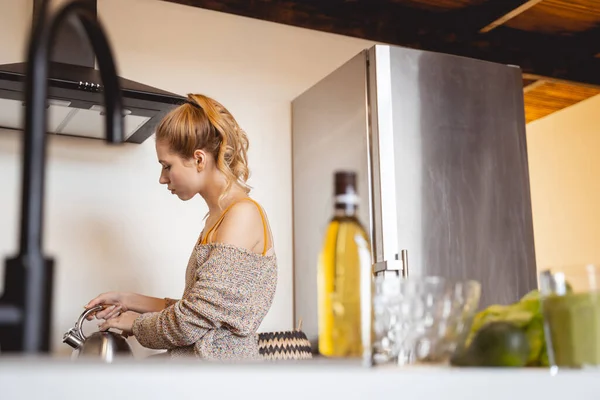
(404, 254)
(383, 267)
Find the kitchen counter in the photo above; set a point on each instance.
(47, 378)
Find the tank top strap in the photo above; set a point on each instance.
(264, 224)
(216, 224)
(220, 220)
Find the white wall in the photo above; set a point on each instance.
(564, 163)
(109, 224)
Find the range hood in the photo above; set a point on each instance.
(75, 93)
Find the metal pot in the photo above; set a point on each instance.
(105, 346)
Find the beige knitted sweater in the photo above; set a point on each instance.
(228, 292)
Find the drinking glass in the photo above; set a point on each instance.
(570, 298)
(421, 319)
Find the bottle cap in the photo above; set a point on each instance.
(345, 182)
(345, 188)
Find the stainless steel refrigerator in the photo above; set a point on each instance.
(438, 142)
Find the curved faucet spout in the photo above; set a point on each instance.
(26, 304)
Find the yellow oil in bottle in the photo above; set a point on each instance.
(344, 256)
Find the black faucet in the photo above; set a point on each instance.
(26, 303)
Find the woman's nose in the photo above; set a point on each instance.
(163, 179)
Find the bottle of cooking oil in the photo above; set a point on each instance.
(345, 256)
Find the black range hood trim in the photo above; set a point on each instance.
(155, 104)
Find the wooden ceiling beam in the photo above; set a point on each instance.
(588, 42)
(365, 19)
(454, 32)
(563, 58)
(572, 55)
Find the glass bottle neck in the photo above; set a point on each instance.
(345, 210)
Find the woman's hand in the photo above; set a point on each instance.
(124, 322)
(114, 304)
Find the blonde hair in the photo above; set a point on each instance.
(205, 124)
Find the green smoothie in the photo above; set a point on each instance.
(573, 321)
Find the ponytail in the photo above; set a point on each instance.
(204, 123)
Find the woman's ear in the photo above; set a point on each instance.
(200, 160)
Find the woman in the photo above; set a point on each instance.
(232, 271)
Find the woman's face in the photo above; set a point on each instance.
(183, 177)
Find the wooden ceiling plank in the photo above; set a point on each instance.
(559, 17)
(510, 15)
(536, 77)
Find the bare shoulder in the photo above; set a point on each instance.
(242, 226)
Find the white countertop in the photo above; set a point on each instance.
(48, 378)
